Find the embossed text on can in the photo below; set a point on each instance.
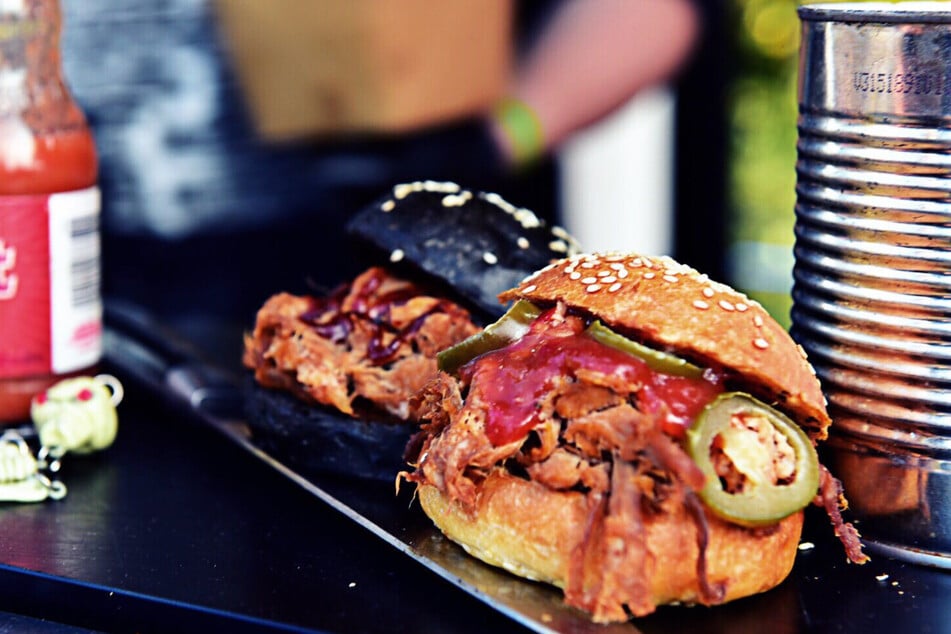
(881, 58)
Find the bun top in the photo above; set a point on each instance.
(474, 243)
(672, 307)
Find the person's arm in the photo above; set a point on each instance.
(593, 56)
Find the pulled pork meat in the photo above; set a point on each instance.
(590, 434)
(832, 499)
(370, 344)
(592, 430)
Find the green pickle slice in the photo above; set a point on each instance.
(762, 502)
(510, 327)
(656, 360)
(515, 323)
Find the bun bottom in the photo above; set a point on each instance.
(317, 439)
(530, 530)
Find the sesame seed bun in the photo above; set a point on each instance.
(474, 243)
(672, 307)
(531, 531)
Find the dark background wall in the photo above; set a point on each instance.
(199, 211)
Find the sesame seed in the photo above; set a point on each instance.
(740, 306)
(707, 292)
(806, 546)
(760, 343)
(389, 205)
(592, 288)
(670, 278)
(588, 265)
(499, 202)
(609, 279)
(589, 280)
(397, 255)
(447, 187)
(622, 274)
(456, 200)
(530, 288)
(604, 273)
(757, 321)
(614, 287)
(522, 242)
(702, 305)
(575, 275)
(636, 263)
(649, 276)
(526, 218)
(725, 305)
(490, 258)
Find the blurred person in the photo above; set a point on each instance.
(591, 57)
(200, 213)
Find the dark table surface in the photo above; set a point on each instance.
(176, 528)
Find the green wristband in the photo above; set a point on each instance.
(522, 127)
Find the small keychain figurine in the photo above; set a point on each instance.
(20, 477)
(77, 415)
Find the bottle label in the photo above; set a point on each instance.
(50, 292)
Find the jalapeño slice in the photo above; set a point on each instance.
(510, 327)
(655, 359)
(762, 501)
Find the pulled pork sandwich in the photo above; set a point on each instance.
(631, 432)
(333, 373)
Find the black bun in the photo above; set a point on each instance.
(473, 242)
(313, 439)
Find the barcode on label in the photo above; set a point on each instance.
(84, 265)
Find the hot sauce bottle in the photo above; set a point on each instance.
(50, 296)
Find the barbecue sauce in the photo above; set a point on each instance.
(50, 297)
(512, 380)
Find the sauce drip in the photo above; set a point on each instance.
(512, 380)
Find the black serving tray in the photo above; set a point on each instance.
(823, 593)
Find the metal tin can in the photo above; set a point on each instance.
(872, 273)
